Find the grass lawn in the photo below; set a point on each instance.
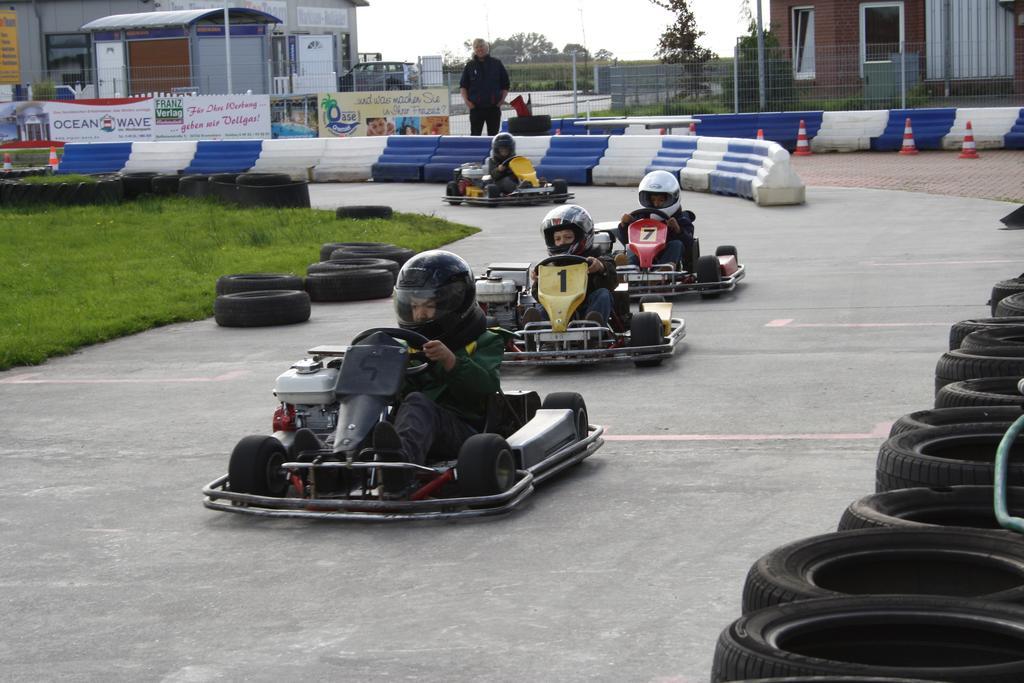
(74, 276)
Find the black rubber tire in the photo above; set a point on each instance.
(956, 366)
(651, 299)
(452, 189)
(264, 179)
(963, 328)
(165, 184)
(290, 196)
(559, 186)
(708, 271)
(938, 457)
(350, 285)
(727, 250)
(194, 185)
(328, 247)
(254, 467)
(256, 282)
(901, 636)
(349, 262)
(645, 329)
(570, 400)
(223, 187)
(364, 212)
(999, 341)
(261, 308)
(138, 183)
(950, 561)
(390, 252)
(492, 191)
(1012, 305)
(954, 506)
(530, 125)
(987, 391)
(1005, 288)
(938, 417)
(486, 466)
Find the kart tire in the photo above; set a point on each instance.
(559, 186)
(486, 466)
(900, 636)
(956, 506)
(328, 247)
(255, 282)
(907, 561)
(360, 212)
(261, 308)
(645, 330)
(291, 196)
(264, 179)
(986, 391)
(937, 457)
(651, 299)
(530, 125)
(452, 189)
(492, 191)
(255, 467)
(999, 341)
(390, 252)
(195, 185)
(1005, 288)
(138, 183)
(1012, 305)
(691, 256)
(223, 187)
(569, 400)
(959, 365)
(963, 328)
(165, 184)
(727, 250)
(350, 285)
(708, 272)
(1003, 415)
(350, 262)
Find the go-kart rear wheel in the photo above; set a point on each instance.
(727, 250)
(708, 272)
(645, 330)
(255, 467)
(452, 193)
(559, 186)
(569, 400)
(486, 466)
(493, 192)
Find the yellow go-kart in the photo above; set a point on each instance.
(646, 337)
(470, 185)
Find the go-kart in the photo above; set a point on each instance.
(708, 275)
(340, 394)
(646, 337)
(470, 185)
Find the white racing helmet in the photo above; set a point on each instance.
(660, 182)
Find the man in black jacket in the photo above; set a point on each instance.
(484, 86)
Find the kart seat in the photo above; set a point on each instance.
(508, 411)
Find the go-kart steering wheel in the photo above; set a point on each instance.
(640, 214)
(414, 339)
(562, 260)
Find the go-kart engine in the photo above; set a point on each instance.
(499, 299)
(310, 388)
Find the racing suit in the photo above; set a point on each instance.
(505, 179)
(678, 245)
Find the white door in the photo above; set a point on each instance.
(315, 55)
(110, 73)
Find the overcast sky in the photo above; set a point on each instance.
(629, 29)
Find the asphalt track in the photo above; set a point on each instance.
(760, 431)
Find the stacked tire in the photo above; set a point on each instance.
(260, 300)
(255, 190)
(354, 271)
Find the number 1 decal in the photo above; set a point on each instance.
(562, 278)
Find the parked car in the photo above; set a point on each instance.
(380, 76)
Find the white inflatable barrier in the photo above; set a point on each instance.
(295, 156)
(755, 169)
(626, 160)
(849, 131)
(169, 156)
(349, 159)
(989, 126)
(533, 147)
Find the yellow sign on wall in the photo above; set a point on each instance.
(390, 112)
(10, 65)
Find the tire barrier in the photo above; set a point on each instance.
(391, 252)
(165, 185)
(194, 185)
(294, 195)
(940, 417)
(255, 282)
(1005, 288)
(363, 212)
(989, 361)
(223, 186)
(138, 184)
(963, 328)
(329, 247)
(955, 506)
(261, 308)
(1011, 305)
(952, 455)
(350, 285)
(353, 262)
(986, 391)
(107, 190)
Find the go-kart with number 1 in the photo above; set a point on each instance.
(470, 185)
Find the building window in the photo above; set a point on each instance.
(67, 57)
(345, 48)
(881, 31)
(803, 42)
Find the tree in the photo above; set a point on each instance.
(581, 52)
(603, 55)
(678, 43)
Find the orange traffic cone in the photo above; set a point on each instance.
(760, 134)
(969, 150)
(7, 161)
(803, 149)
(53, 163)
(908, 139)
(693, 128)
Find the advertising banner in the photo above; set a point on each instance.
(10, 64)
(81, 121)
(387, 112)
(211, 117)
(293, 116)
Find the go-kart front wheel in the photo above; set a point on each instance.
(562, 400)
(560, 187)
(255, 467)
(486, 466)
(708, 272)
(727, 250)
(645, 330)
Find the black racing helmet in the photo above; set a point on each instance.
(447, 281)
(505, 144)
(575, 218)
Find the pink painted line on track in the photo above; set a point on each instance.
(34, 378)
(881, 430)
(788, 322)
(880, 264)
